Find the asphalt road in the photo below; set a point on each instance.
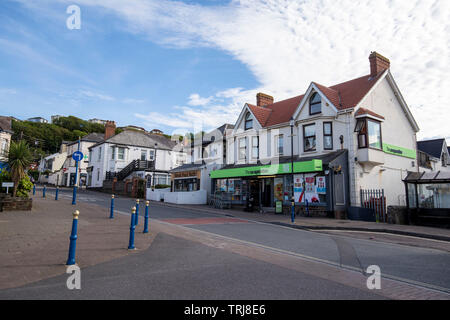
(203, 272)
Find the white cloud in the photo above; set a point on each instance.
(288, 44)
(196, 100)
(96, 95)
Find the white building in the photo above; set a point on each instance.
(433, 155)
(5, 138)
(359, 134)
(69, 166)
(38, 120)
(50, 167)
(205, 154)
(132, 153)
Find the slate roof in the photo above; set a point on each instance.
(140, 139)
(91, 137)
(188, 166)
(432, 147)
(364, 111)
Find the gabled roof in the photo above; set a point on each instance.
(343, 96)
(432, 147)
(91, 137)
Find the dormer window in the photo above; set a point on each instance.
(315, 104)
(248, 121)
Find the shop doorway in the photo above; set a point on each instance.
(267, 192)
(255, 189)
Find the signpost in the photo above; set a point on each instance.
(7, 185)
(77, 156)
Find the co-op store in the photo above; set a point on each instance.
(320, 181)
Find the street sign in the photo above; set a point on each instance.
(77, 156)
(7, 185)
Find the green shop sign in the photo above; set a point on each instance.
(399, 151)
(284, 168)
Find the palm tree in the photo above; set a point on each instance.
(19, 158)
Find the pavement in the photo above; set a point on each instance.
(196, 252)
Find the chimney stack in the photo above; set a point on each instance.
(378, 64)
(263, 99)
(110, 129)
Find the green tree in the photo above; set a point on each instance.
(19, 157)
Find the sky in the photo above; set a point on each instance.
(183, 65)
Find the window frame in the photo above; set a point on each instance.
(327, 135)
(118, 153)
(248, 120)
(305, 137)
(278, 146)
(253, 147)
(244, 147)
(315, 103)
(144, 153)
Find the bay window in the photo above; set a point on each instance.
(369, 133)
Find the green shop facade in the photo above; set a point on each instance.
(319, 182)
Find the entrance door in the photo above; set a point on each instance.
(255, 190)
(267, 192)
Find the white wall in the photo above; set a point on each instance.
(194, 197)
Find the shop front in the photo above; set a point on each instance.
(186, 180)
(312, 182)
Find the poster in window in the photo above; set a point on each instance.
(278, 189)
(321, 187)
(298, 187)
(310, 189)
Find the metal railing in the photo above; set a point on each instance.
(374, 199)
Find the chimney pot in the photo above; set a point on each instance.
(378, 63)
(263, 99)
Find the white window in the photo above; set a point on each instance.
(242, 147)
(113, 153)
(143, 154)
(98, 174)
(99, 153)
(255, 147)
(279, 145)
(151, 155)
(121, 153)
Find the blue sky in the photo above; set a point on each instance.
(176, 65)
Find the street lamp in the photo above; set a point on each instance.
(291, 123)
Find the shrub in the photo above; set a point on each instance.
(25, 186)
(162, 186)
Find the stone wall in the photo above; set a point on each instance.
(15, 204)
(397, 215)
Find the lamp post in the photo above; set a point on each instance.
(74, 195)
(291, 123)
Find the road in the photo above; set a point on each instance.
(192, 270)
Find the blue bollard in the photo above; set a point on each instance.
(146, 217)
(34, 189)
(132, 228)
(56, 193)
(111, 214)
(43, 192)
(293, 211)
(136, 221)
(73, 239)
